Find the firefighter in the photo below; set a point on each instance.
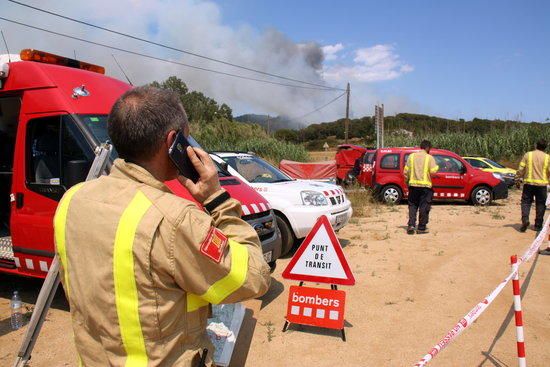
(534, 169)
(418, 171)
(141, 266)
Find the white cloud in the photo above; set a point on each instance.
(331, 51)
(371, 64)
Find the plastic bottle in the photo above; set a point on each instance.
(16, 311)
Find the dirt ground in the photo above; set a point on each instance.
(410, 291)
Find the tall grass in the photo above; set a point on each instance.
(230, 135)
(497, 144)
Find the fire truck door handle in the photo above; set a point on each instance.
(19, 200)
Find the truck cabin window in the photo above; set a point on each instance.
(57, 154)
(448, 164)
(390, 161)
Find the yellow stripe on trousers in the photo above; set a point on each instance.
(126, 295)
(59, 225)
(224, 287)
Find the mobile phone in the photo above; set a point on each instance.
(178, 155)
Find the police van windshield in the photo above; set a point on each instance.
(97, 125)
(255, 169)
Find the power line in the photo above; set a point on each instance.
(171, 47)
(161, 59)
(318, 108)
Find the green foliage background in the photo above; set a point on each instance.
(496, 139)
(213, 127)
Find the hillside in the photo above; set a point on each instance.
(271, 123)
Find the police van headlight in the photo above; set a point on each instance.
(313, 198)
(498, 175)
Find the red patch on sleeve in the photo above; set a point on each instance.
(214, 244)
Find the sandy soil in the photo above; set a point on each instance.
(410, 291)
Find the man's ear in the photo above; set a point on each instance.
(171, 137)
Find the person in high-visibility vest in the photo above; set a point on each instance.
(534, 169)
(418, 173)
(141, 266)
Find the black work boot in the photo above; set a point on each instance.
(410, 230)
(524, 227)
(546, 251)
(422, 230)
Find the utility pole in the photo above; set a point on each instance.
(346, 123)
(379, 125)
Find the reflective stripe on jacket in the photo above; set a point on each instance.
(534, 168)
(140, 267)
(419, 168)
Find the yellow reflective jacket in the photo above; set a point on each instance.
(419, 168)
(140, 267)
(534, 168)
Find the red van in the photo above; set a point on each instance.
(53, 114)
(455, 180)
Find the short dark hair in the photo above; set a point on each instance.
(541, 145)
(141, 118)
(425, 144)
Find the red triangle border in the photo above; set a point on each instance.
(322, 221)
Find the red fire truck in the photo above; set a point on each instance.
(53, 114)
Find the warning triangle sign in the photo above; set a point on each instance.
(320, 258)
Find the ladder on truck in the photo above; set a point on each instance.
(47, 292)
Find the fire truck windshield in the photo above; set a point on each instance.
(97, 125)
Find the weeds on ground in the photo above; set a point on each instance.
(373, 274)
(270, 330)
(440, 253)
(390, 303)
(399, 267)
(362, 202)
(409, 299)
(497, 215)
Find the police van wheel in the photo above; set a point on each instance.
(391, 194)
(287, 237)
(482, 196)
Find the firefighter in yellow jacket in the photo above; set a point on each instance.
(534, 169)
(141, 266)
(419, 168)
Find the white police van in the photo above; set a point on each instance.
(297, 203)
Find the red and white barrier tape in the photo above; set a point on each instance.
(478, 309)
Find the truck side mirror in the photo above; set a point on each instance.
(463, 170)
(224, 166)
(76, 172)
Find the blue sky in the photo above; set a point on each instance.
(456, 59)
(488, 59)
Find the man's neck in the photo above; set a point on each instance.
(156, 170)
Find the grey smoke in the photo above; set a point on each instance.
(196, 26)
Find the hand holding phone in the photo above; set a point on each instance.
(199, 174)
(178, 154)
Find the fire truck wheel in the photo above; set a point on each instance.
(482, 196)
(391, 194)
(287, 237)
